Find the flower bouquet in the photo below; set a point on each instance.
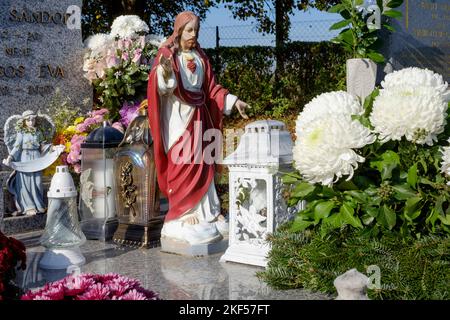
(392, 151)
(109, 286)
(12, 252)
(118, 63)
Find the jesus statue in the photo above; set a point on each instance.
(184, 102)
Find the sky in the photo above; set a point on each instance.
(311, 25)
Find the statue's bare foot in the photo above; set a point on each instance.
(222, 225)
(190, 219)
(221, 217)
(31, 212)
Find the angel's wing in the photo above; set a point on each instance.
(10, 131)
(46, 126)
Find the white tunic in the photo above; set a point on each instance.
(175, 117)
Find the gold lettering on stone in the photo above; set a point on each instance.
(48, 70)
(4, 91)
(40, 17)
(12, 72)
(40, 90)
(17, 52)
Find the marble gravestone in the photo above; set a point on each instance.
(422, 37)
(41, 52)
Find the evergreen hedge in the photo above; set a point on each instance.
(410, 269)
(309, 69)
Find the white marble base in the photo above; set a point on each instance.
(246, 254)
(185, 249)
(58, 259)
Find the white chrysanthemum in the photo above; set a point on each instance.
(323, 150)
(128, 26)
(417, 77)
(418, 113)
(155, 40)
(98, 42)
(446, 161)
(329, 103)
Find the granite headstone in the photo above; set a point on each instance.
(41, 53)
(422, 37)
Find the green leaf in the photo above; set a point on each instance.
(412, 176)
(395, 3)
(328, 192)
(340, 24)
(403, 192)
(367, 219)
(437, 211)
(375, 56)
(322, 210)
(299, 224)
(359, 196)
(368, 102)
(445, 220)
(373, 211)
(392, 14)
(389, 27)
(288, 179)
(337, 8)
(303, 189)
(347, 36)
(347, 215)
(387, 217)
(389, 161)
(412, 210)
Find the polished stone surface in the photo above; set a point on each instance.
(174, 277)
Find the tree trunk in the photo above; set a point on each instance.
(282, 25)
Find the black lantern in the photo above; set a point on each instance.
(97, 190)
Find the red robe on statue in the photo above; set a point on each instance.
(185, 184)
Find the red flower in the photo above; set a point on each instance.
(12, 252)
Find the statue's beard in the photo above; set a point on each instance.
(189, 44)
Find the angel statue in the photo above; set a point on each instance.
(27, 138)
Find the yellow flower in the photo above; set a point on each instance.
(70, 130)
(79, 120)
(50, 171)
(68, 145)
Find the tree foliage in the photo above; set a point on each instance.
(267, 12)
(98, 15)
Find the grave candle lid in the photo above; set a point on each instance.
(103, 137)
(263, 142)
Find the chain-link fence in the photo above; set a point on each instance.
(245, 35)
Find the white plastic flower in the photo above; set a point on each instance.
(414, 76)
(329, 103)
(128, 26)
(323, 151)
(446, 161)
(98, 43)
(416, 112)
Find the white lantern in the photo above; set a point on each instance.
(97, 199)
(257, 206)
(62, 235)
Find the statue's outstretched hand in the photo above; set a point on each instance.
(166, 65)
(241, 106)
(7, 161)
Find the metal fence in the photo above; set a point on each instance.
(245, 35)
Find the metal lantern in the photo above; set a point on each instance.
(97, 203)
(62, 235)
(257, 205)
(137, 196)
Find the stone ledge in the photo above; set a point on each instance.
(185, 249)
(22, 224)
